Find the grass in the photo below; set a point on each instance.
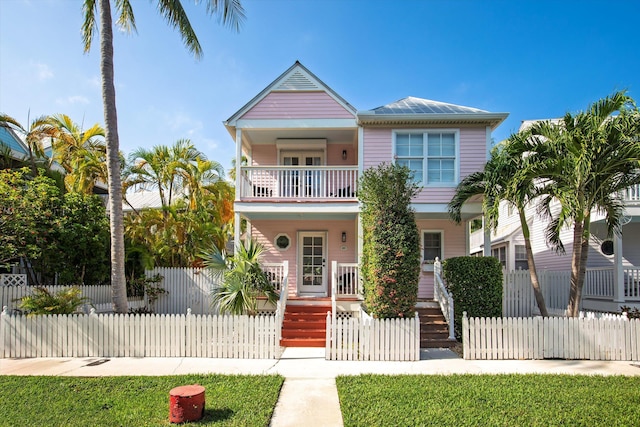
(133, 401)
(489, 400)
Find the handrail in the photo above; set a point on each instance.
(281, 305)
(443, 297)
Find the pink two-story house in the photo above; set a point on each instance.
(300, 149)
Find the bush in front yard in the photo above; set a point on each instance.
(390, 261)
(476, 286)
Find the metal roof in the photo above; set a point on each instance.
(412, 105)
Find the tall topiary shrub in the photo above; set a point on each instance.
(476, 286)
(390, 263)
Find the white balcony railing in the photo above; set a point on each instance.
(632, 194)
(299, 182)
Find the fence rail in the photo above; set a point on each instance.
(612, 338)
(135, 335)
(372, 339)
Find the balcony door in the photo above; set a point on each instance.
(298, 182)
(312, 262)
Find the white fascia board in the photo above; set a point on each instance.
(495, 119)
(296, 123)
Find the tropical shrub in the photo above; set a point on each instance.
(41, 301)
(476, 286)
(390, 263)
(53, 231)
(242, 279)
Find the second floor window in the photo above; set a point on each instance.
(430, 155)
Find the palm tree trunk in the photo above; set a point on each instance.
(533, 273)
(118, 279)
(575, 292)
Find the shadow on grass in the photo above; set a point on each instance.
(217, 414)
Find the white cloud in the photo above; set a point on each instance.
(72, 100)
(43, 71)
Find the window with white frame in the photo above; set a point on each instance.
(521, 258)
(432, 246)
(430, 155)
(501, 254)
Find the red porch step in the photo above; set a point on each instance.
(304, 325)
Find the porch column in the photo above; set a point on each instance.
(236, 230)
(618, 272)
(487, 238)
(238, 161)
(359, 238)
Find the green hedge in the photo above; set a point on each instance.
(390, 262)
(476, 286)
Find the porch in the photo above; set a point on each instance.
(602, 290)
(298, 183)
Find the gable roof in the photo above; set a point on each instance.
(295, 79)
(9, 139)
(412, 110)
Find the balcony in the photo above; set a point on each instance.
(298, 183)
(632, 195)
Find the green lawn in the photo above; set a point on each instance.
(489, 400)
(133, 401)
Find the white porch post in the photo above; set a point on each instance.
(618, 272)
(487, 238)
(236, 224)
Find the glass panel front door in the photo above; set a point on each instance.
(312, 271)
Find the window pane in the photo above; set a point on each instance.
(433, 171)
(434, 147)
(447, 168)
(448, 144)
(416, 145)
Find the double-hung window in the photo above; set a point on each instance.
(431, 246)
(430, 155)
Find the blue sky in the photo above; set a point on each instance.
(532, 59)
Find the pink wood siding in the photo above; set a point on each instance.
(298, 105)
(264, 155)
(454, 246)
(265, 231)
(378, 149)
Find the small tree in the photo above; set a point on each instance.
(41, 301)
(390, 262)
(242, 279)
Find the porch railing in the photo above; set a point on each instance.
(299, 182)
(276, 273)
(444, 298)
(599, 283)
(632, 194)
(347, 279)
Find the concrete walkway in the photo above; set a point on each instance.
(309, 395)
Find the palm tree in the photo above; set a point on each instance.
(242, 279)
(230, 12)
(584, 161)
(505, 177)
(80, 152)
(38, 131)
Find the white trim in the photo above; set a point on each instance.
(425, 132)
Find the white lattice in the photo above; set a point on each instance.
(344, 314)
(13, 280)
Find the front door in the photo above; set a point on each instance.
(312, 274)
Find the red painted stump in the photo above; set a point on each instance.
(186, 403)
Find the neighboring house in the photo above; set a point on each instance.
(14, 151)
(306, 148)
(613, 275)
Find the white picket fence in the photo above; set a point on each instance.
(590, 338)
(517, 296)
(372, 339)
(187, 288)
(136, 335)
